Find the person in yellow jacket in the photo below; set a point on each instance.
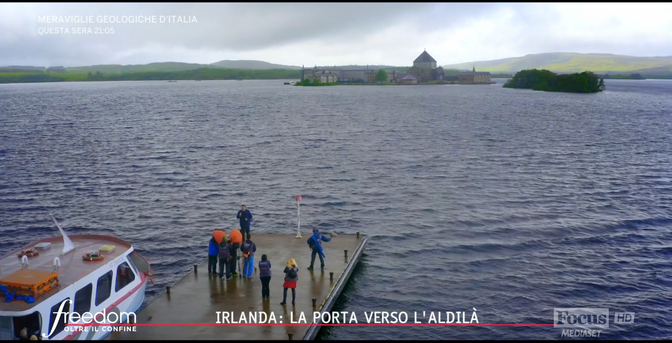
(291, 277)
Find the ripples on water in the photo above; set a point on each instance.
(510, 201)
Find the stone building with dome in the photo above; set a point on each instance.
(424, 69)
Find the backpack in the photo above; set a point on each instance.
(224, 251)
(291, 273)
(311, 242)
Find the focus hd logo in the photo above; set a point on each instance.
(581, 317)
(583, 320)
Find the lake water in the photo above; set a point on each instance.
(513, 202)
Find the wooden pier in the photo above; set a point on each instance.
(198, 297)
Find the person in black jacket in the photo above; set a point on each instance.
(245, 217)
(265, 276)
(233, 248)
(224, 259)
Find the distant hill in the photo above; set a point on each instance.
(179, 66)
(251, 64)
(22, 69)
(173, 67)
(136, 68)
(558, 62)
(370, 66)
(563, 62)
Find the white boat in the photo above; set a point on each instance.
(88, 280)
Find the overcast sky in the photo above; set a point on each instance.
(332, 33)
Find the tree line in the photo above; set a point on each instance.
(635, 76)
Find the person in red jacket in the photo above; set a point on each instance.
(291, 277)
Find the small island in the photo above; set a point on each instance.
(546, 80)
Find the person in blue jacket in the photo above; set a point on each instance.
(248, 249)
(315, 244)
(245, 217)
(213, 253)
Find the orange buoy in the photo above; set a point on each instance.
(236, 236)
(93, 257)
(219, 235)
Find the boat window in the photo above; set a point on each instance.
(83, 300)
(59, 317)
(32, 323)
(103, 288)
(5, 328)
(125, 276)
(135, 268)
(139, 264)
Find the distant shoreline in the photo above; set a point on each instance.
(280, 79)
(184, 75)
(317, 83)
(204, 74)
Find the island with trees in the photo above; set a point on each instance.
(545, 80)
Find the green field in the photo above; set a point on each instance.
(194, 74)
(140, 68)
(151, 67)
(574, 62)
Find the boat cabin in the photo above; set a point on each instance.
(54, 281)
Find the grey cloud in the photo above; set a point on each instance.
(276, 24)
(236, 28)
(227, 27)
(223, 26)
(540, 30)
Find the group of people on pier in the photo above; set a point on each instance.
(225, 250)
